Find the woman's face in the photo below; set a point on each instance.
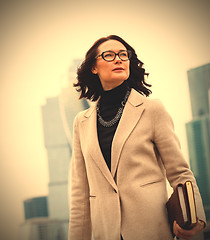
(113, 73)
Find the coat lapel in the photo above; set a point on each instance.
(89, 126)
(131, 115)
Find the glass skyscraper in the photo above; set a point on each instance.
(35, 207)
(198, 130)
(199, 85)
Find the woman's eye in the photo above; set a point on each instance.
(123, 54)
(108, 55)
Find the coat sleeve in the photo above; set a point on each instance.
(79, 219)
(177, 169)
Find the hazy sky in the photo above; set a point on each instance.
(40, 39)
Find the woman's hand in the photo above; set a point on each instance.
(188, 234)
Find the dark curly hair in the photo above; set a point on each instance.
(89, 84)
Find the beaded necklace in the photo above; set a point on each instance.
(118, 114)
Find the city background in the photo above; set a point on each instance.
(39, 42)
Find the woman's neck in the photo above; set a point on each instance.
(115, 95)
(108, 87)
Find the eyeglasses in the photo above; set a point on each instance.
(110, 56)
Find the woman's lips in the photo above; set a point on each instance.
(118, 69)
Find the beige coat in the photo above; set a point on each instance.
(130, 200)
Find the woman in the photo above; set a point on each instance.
(124, 147)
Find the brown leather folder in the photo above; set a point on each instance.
(181, 206)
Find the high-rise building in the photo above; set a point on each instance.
(35, 207)
(58, 153)
(37, 225)
(198, 130)
(58, 114)
(199, 85)
(42, 229)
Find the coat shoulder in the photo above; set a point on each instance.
(85, 113)
(157, 109)
(154, 104)
(148, 102)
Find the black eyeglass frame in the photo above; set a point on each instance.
(116, 54)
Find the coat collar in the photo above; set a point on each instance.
(131, 115)
(135, 99)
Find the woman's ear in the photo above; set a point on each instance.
(94, 71)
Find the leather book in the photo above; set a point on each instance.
(181, 206)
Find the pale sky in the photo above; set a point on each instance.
(39, 41)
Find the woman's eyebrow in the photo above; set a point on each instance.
(114, 50)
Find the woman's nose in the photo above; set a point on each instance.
(117, 59)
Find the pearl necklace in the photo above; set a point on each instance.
(118, 114)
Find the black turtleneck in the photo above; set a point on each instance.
(110, 102)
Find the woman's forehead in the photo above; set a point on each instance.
(113, 45)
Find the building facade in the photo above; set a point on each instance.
(35, 207)
(42, 229)
(198, 130)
